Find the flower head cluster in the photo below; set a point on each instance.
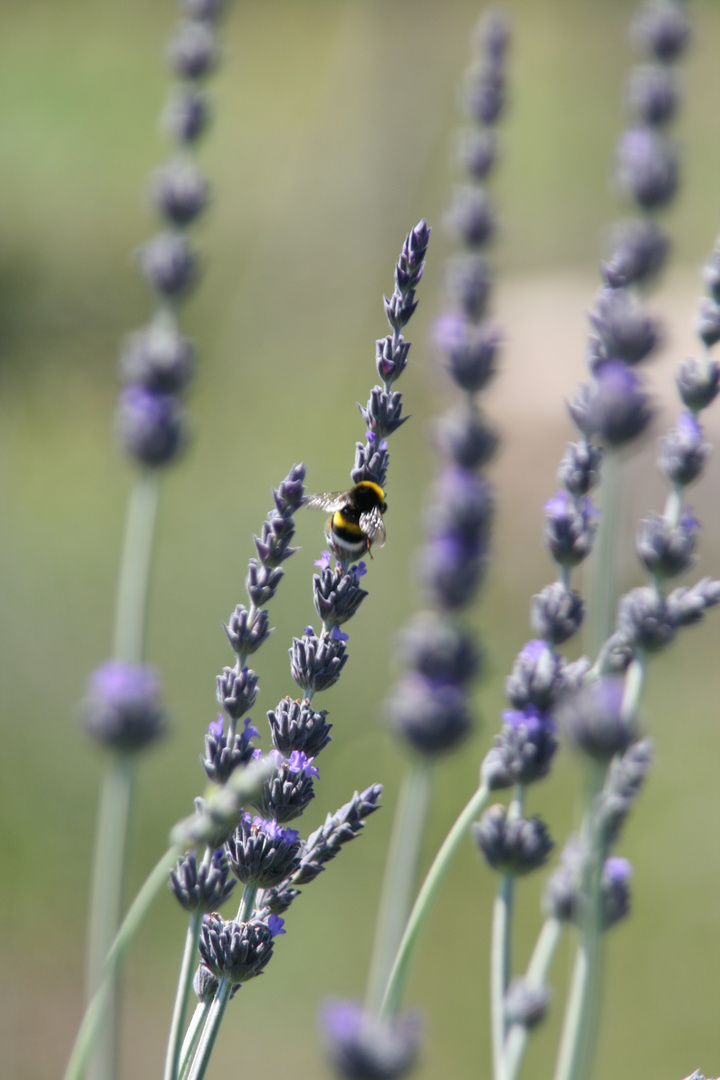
(157, 362)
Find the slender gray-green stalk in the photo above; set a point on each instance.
(96, 1010)
(182, 997)
(400, 875)
(536, 976)
(423, 904)
(501, 949)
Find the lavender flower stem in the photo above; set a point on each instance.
(191, 1037)
(501, 948)
(117, 786)
(106, 894)
(536, 976)
(94, 1017)
(182, 997)
(603, 590)
(423, 903)
(399, 877)
(210, 1030)
(131, 602)
(247, 903)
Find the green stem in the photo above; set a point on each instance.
(500, 967)
(536, 976)
(94, 1017)
(604, 573)
(210, 1030)
(400, 876)
(191, 1037)
(501, 948)
(134, 577)
(108, 871)
(247, 904)
(423, 903)
(182, 997)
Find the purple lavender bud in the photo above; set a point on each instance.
(245, 631)
(484, 92)
(411, 263)
(462, 436)
(477, 151)
(383, 414)
(711, 273)
(262, 853)
(522, 752)
(287, 793)
(625, 330)
(295, 725)
(687, 606)
(150, 427)
(525, 1004)
(371, 463)
(638, 252)
(273, 544)
(579, 470)
(262, 582)
(570, 526)
(391, 358)
(647, 167)
(666, 550)
(468, 281)
(644, 620)
(399, 309)
(594, 721)
(492, 35)
(536, 678)
(193, 50)
(698, 382)
(662, 28)
(186, 114)
(210, 10)
(461, 503)
(236, 950)
(512, 845)
(616, 405)
(337, 829)
(316, 662)
(290, 494)
(201, 888)
(361, 1047)
(557, 613)
(159, 358)
(625, 780)
(236, 691)
(652, 94)
(562, 888)
(222, 754)
(470, 216)
(615, 888)
(277, 901)
(469, 349)
(167, 263)
(179, 191)
(452, 568)
(683, 451)
(123, 705)
(707, 323)
(439, 649)
(337, 595)
(433, 717)
(205, 984)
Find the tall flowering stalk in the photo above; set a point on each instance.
(430, 708)
(123, 709)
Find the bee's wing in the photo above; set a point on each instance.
(373, 526)
(330, 501)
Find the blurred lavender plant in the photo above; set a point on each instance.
(123, 710)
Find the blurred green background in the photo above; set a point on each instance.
(332, 134)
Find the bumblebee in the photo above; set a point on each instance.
(356, 519)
